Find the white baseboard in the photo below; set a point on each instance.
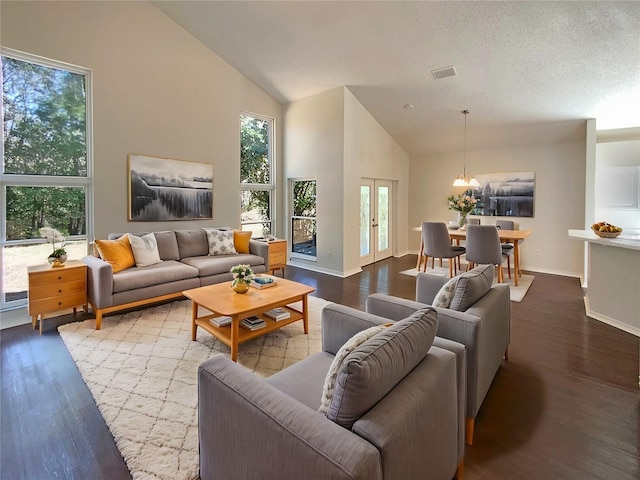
(609, 321)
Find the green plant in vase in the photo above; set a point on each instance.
(242, 276)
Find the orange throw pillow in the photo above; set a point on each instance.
(241, 241)
(117, 252)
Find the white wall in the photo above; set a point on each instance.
(314, 149)
(618, 152)
(559, 198)
(331, 137)
(370, 152)
(157, 91)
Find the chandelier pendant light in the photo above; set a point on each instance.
(462, 180)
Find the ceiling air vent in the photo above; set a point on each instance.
(445, 72)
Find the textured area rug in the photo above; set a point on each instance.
(141, 369)
(516, 293)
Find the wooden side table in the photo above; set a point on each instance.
(277, 255)
(56, 288)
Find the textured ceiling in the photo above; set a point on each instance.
(529, 72)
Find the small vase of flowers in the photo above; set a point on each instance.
(242, 276)
(58, 256)
(464, 205)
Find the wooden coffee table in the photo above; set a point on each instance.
(223, 301)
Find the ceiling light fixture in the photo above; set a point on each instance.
(462, 180)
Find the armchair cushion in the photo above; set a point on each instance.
(375, 367)
(471, 286)
(330, 381)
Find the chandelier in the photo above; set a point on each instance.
(462, 180)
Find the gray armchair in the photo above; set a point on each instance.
(250, 427)
(480, 319)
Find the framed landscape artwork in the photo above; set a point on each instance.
(162, 189)
(510, 194)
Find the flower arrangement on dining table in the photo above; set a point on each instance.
(242, 274)
(463, 203)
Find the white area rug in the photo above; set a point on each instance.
(141, 369)
(516, 293)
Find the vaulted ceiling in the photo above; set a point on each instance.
(529, 72)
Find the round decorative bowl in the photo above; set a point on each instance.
(605, 234)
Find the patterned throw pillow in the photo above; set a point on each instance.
(145, 249)
(445, 294)
(220, 242)
(330, 380)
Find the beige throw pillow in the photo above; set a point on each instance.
(445, 294)
(145, 249)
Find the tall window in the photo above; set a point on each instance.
(45, 177)
(303, 220)
(256, 174)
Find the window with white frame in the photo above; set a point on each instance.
(45, 176)
(303, 220)
(257, 179)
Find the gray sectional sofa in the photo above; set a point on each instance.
(185, 264)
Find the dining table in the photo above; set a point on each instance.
(506, 236)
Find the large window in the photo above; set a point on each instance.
(45, 177)
(303, 220)
(256, 174)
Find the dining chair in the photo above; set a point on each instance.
(483, 248)
(507, 248)
(437, 244)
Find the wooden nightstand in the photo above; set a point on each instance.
(277, 255)
(56, 288)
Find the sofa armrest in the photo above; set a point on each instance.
(261, 249)
(249, 429)
(340, 323)
(99, 282)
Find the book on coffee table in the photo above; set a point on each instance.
(263, 282)
(278, 313)
(253, 323)
(220, 321)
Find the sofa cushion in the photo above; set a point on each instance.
(167, 245)
(222, 263)
(192, 243)
(145, 249)
(160, 273)
(116, 252)
(350, 345)
(241, 241)
(445, 294)
(370, 371)
(220, 241)
(472, 286)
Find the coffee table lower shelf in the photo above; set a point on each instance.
(224, 334)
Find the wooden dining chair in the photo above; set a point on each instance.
(437, 244)
(483, 248)
(507, 248)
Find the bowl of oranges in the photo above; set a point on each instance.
(606, 230)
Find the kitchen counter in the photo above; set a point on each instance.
(612, 279)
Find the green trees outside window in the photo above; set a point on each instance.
(45, 176)
(256, 174)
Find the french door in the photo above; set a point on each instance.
(376, 220)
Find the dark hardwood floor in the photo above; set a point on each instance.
(565, 406)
